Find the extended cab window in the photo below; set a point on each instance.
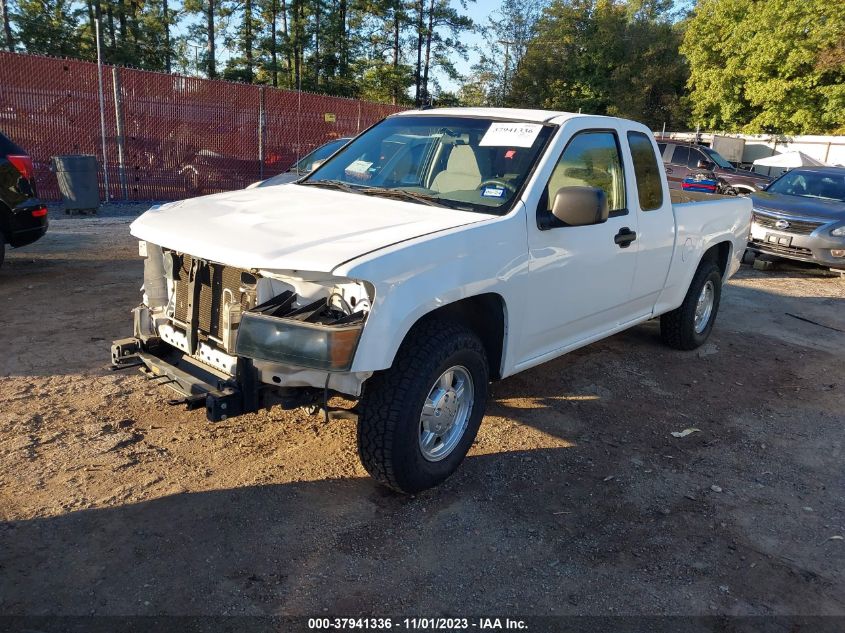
(646, 171)
(591, 159)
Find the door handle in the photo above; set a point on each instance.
(624, 237)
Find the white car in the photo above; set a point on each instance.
(437, 252)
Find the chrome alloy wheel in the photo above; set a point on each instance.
(704, 307)
(446, 413)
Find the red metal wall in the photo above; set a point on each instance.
(182, 136)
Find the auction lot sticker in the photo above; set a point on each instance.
(504, 134)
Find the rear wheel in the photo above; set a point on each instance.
(418, 419)
(689, 326)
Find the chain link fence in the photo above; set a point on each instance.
(167, 136)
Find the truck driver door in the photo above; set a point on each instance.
(580, 277)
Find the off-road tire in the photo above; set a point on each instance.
(390, 408)
(677, 328)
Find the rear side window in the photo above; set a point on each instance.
(681, 155)
(646, 171)
(662, 148)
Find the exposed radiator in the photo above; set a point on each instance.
(214, 281)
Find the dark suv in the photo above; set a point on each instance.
(23, 218)
(687, 159)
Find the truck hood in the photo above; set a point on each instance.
(745, 173)
(291, 227)
(797, 205)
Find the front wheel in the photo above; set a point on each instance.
(418, 419)
(749, 257)
(688, 326)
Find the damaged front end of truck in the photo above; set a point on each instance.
(235, 340)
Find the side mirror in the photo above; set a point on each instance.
(580, 206)
(705, 164)
(316, 164)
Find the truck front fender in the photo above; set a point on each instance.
(413, 279)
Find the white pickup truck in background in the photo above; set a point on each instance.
(436, 252)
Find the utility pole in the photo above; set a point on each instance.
(507, 44)
(102, 109)
(298, 118)
(197, 49)
(167, 51)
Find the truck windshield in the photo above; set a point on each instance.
(473, 164)
(717, 158)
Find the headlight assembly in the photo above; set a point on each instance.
(326, 347)
(317, 335)
(839, 231)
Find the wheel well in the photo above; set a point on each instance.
(484, 314)
(720, 254)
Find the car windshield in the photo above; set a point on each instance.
(810, 184)
(717, 158)
(474, 164)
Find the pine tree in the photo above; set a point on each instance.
(434, 49)
(210, 13)
(7, 41)
(47, 27)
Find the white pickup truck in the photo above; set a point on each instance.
(436, 252)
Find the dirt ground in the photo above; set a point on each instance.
(576, 498)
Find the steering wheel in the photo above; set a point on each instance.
(495, 181)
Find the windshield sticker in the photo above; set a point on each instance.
(358, 167)
(511, 135)
(492, 192)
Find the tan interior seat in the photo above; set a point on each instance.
(462, 172)
(565, 177)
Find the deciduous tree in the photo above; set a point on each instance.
(773, 66)
(604, 57)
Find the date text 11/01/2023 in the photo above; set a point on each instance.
(417, 624)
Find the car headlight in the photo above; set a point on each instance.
(326, 347)
(838, 231)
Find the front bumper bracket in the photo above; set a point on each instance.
(222, 397)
